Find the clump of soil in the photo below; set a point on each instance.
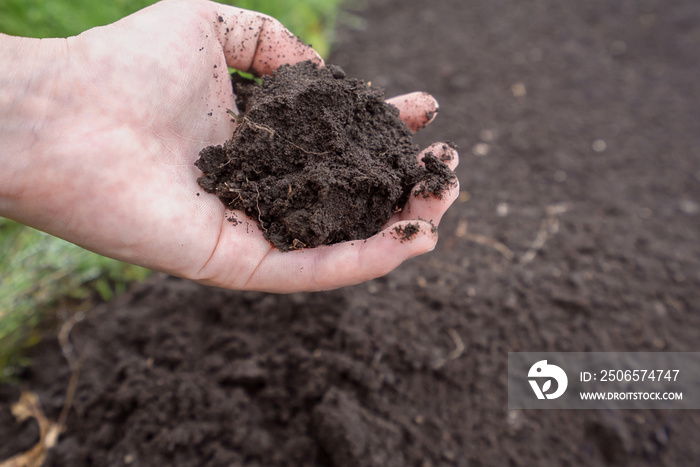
(317, 158)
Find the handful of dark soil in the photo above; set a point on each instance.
(317, 158)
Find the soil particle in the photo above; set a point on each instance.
(446, 156)
(406, 232)
(435, 185)
(317, 158)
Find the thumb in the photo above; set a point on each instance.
(255, 42)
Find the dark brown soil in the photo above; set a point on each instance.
(406, 232)
(317, 158)
(577, 230)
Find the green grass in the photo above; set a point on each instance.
(312, 20)
(40, 273)
(47, 18)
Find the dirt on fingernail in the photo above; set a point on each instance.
(317, 158)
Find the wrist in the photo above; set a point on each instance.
(31, 92)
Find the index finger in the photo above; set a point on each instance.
(256, 42)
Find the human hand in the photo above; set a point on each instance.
(129, 107)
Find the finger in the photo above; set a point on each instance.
(416, 109)
(426, 206)
(255, 42)
(445, 152)
(342, 264)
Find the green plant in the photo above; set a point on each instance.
(37, 271)
(61, 18)
(312, 20)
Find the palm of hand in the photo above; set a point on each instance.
(154, 91)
